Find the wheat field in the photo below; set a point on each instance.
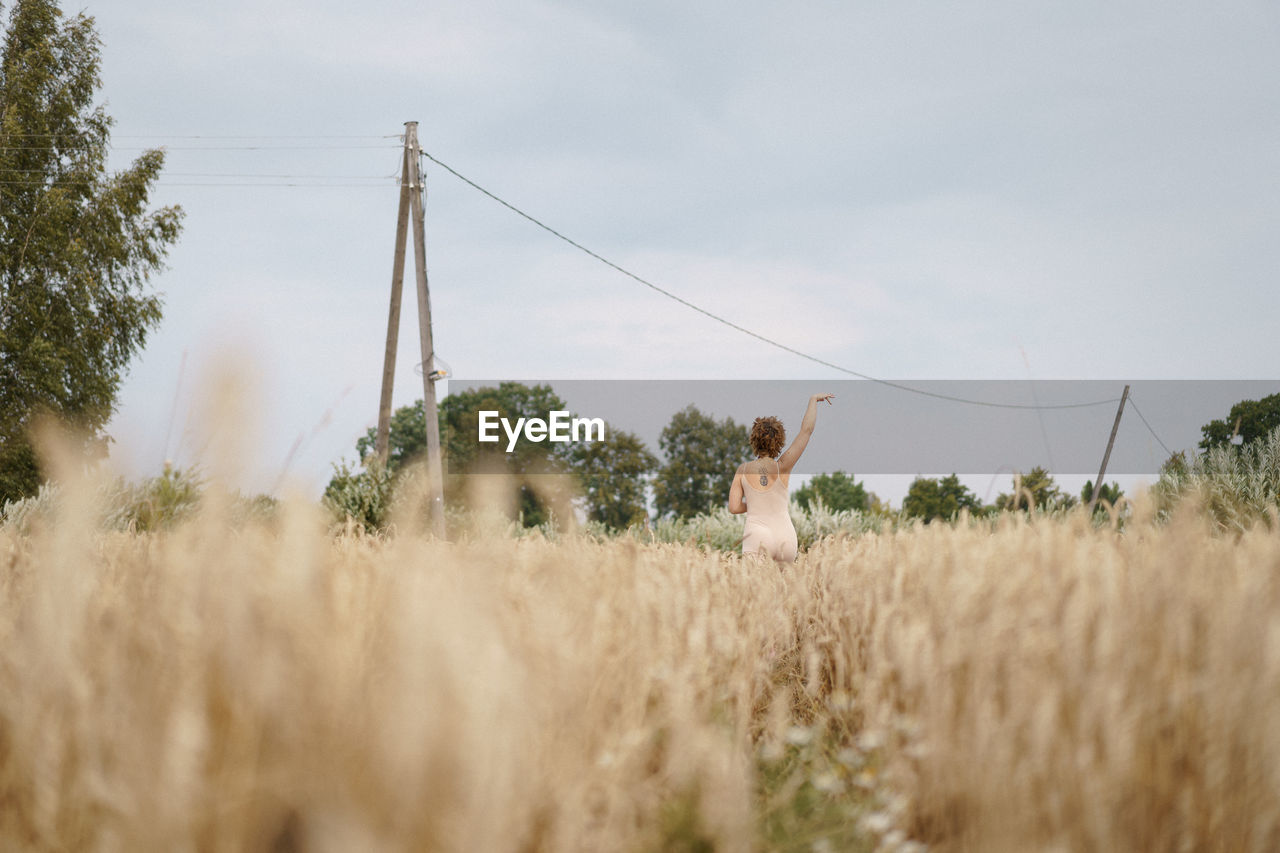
(1038, 684)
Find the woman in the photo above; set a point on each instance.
(760, 488)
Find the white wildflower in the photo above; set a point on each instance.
(828, 782)
(799, 736)
(870, 741)
(849, 757)
(877, 823)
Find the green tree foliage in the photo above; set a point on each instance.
(463, 455)
(459, 415)
(609, 474)
(1257, 418)
(1035, 489)
(929, 498)
(406, 442)
(838, 491)
(1110, 493)
(362, 495)
(77, 244)
(702, 455)
(613, 474)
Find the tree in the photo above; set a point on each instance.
(1035, 488)
(1110, 493)
(77, 244)
(838, 491)
(943, 498)
(610, 474)
(702, 455)
(1257, 418)
(613, 473)
(465, 456)
(459, 415)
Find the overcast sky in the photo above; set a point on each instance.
(910, 190)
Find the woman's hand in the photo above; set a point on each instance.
(787, 460)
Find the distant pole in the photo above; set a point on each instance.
(393, 318)
(435, 470)
(411, 207)
(1102, 472)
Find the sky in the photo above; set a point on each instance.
(1004, 190)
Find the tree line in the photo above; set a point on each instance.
(611, 479)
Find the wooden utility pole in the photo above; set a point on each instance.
(411, 207)
(393, 319)
(1102, 472)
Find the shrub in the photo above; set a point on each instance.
(156, 503)
(1236, 487)
(160, 502)
(362, 497)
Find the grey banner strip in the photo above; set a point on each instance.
(875, 428)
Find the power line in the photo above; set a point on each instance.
(316, 185)
(383, 178)
(1133, 403)
(258, 136)
(742, 329)
(89, 147)
(293, 181)
(164, 183)
(206, 136)
(167, 173)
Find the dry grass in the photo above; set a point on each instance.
(1043, 685)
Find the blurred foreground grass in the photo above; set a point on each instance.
(242, 681)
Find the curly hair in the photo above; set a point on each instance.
(767, 436)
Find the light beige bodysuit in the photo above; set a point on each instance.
(768, 528)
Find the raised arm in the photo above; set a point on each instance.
(791, 455)
(737, 503)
